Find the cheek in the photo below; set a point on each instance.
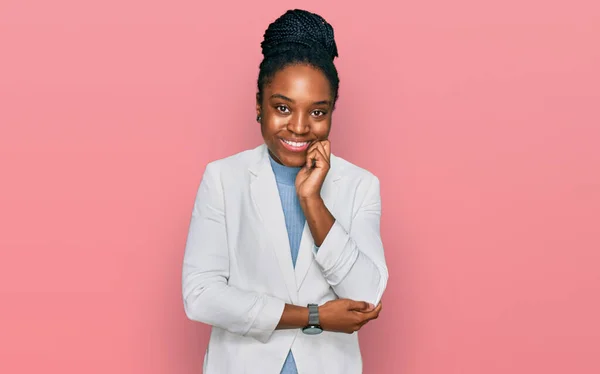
(278, 122)
(275, 123)
(271, 126)
(321, 129)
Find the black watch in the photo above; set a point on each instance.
(314, 326)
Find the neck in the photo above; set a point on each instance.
(284, 174)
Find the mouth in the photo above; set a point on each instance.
(294, 146)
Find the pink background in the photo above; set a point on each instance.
(481, 120)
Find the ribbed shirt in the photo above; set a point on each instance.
(285, 176)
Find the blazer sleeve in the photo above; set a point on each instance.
(207, 296)
(353, 260)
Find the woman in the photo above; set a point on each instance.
(284, 257)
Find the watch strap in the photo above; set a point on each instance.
(313, 315)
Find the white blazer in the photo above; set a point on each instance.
(238, 272)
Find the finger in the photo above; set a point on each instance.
(377, 309)
(327, 146)
(321, 148)
(322, 152)
(370, 314)
(323, 145)
(363, 323)
(370, 308)
(317, 156)
(322, 156)
(312, 146)
(311, 158)
(358, 305)
(367, 320)
(373, 314)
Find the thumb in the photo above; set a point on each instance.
(360, 306)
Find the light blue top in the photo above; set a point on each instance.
(285, 177)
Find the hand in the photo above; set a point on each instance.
(348, 316)
(310, 178)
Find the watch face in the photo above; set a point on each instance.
(312, 330)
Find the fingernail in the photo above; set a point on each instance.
(372, 306)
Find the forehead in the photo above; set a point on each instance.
(301, 82)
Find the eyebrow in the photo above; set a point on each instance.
(280, 96)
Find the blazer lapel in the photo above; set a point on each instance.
(329, 192)
(266, 197)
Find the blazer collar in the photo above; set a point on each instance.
(265, 194)
(261, 163)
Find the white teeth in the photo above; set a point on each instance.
(295, 144)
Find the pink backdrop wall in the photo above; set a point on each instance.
(481, 120)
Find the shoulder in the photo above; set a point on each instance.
(352, 172)
(234, 163)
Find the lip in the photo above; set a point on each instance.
(290, 147)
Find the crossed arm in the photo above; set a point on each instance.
(351, 261)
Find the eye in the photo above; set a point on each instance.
(282, 108)
(318, 113)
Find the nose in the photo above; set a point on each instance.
(299, 124)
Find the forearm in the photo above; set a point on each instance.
(353, 272)
(293, 317)
(318, 217)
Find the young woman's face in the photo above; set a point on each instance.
(296, 108)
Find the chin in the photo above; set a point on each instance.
(297, 160)
(294, 162)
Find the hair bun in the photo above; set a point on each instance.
(299, 27)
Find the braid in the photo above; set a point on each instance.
(298, 37)
(301, 27)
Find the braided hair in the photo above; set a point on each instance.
(298, 37)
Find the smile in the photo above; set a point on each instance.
(294, 146)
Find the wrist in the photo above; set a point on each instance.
(310, 200)
(320, 309)
(313, 327)
(293, 317)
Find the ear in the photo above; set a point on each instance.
(258, 106)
